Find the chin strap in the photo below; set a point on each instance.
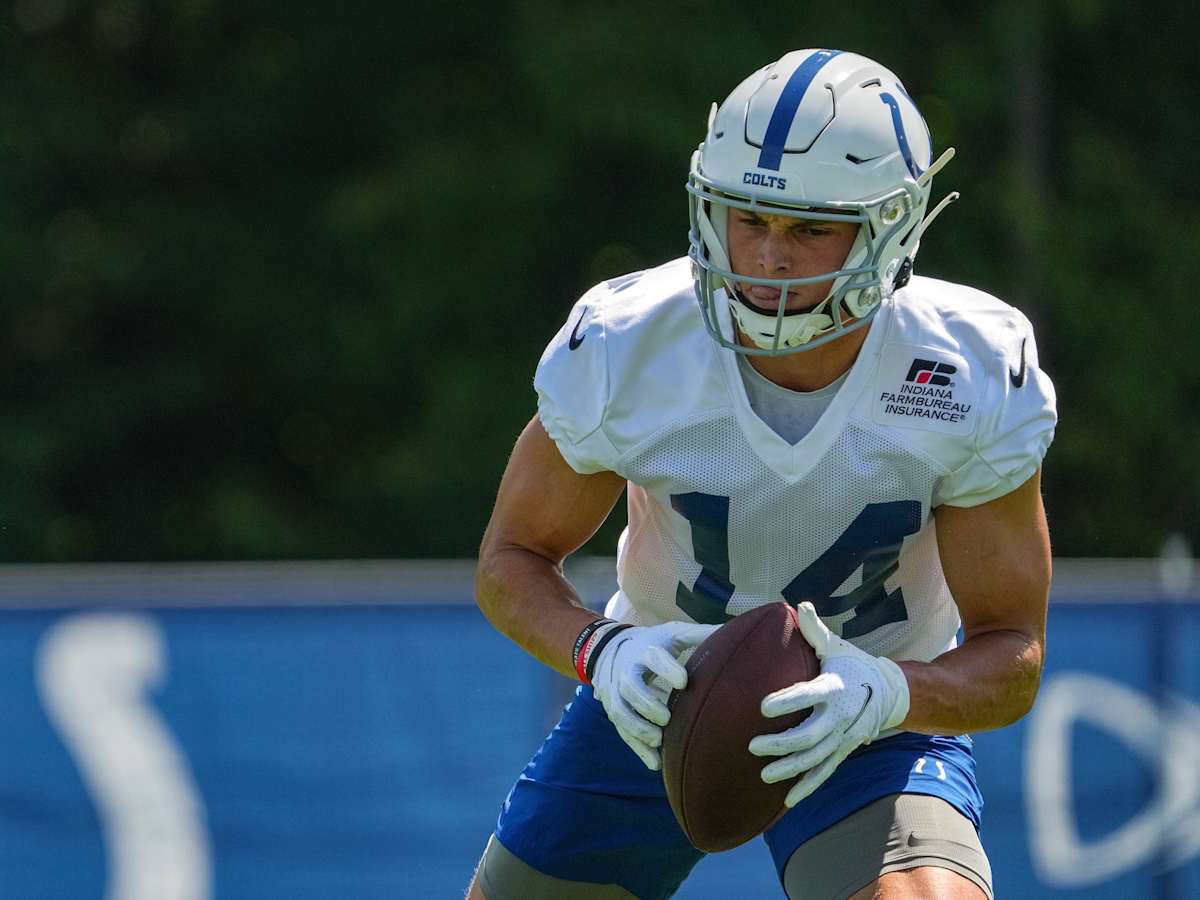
(934, 167)
(906, 267)
(927, 176)
(933, 214)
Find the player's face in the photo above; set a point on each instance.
(767, 246)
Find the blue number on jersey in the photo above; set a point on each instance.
(709, 517)
(872, 541)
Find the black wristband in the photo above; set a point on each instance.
(581, 641)
(590, 665)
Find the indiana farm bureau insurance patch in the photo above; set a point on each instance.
(919, 387)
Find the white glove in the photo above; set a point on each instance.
(636, 704)
(856, 697)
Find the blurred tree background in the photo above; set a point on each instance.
(275, 278)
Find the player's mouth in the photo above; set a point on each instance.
(765, 299)
(761, 298)
(763, 294)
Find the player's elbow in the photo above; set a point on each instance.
(1027, 677)
(490, 579)
(1011, 667)
(504, 573)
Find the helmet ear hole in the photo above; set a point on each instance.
(904, 274)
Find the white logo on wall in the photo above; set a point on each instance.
(94, 672)
(1167, 739)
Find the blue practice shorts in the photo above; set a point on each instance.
(586, 809)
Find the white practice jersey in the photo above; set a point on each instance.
(945, 404)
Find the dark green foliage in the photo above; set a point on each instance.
(275, 279)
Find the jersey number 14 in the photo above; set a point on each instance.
(872, 541)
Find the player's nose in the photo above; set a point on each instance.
(775, 254)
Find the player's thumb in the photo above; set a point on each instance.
(813, 629)
(665, 666)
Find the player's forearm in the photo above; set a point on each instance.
(988, 682)
(529, 600)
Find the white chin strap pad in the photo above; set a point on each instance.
(796, 329)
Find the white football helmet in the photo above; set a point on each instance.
(819, 134)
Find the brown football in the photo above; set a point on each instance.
(712, 780)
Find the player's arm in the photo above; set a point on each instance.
(996, 559)
(544, 511)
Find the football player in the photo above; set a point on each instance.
(794, 415)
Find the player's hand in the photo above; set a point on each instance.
(855, 697)
(633, 678)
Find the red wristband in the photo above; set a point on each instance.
(581, 660)
(578, 656)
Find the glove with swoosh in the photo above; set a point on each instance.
(633, 675)
(855, 698)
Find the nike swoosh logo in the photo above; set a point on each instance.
(870, 694)
(1018, 377)
(576, 338)
(858, 162)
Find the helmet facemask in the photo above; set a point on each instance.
(857, 288)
